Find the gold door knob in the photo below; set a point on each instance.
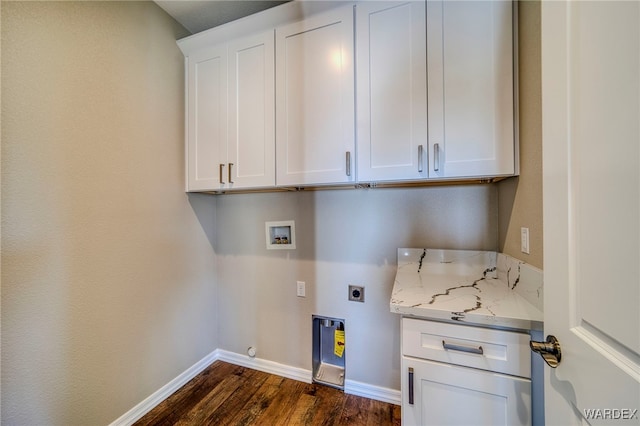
(549, 350)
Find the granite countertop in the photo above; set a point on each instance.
(473, 287)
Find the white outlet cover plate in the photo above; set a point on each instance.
(524, 240)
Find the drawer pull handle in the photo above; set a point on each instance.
(460, 348)
(410, 385)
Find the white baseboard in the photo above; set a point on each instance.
(352, 387)
(295, 373)
(164, 392)
(391, 396)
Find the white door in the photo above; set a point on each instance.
(315, 136)
(591, 161)
(251, 156)
(470, 88)
(392, 91)
(207, 119)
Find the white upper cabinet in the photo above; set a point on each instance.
(391, 91)
(470, 88)
(206, 118)
(230, 115)
(430, 95)
(251, 140)
(315, 138)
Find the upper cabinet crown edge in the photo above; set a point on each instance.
(257, 23)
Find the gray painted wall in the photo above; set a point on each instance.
(108, 275)
(520, 199)
(343, 237)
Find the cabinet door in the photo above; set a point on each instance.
(251, 146)
(315, 100)
(445, 394)
(206, 118)
(470, 88)
(392, 92)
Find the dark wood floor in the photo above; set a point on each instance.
(227, 394)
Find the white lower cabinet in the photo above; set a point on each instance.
(445, 394)
(460, 387)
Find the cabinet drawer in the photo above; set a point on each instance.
(494, 350)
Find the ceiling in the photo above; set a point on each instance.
(198, 15)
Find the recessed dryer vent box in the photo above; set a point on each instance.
(328, 351)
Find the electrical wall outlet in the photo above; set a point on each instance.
(356, 293)
(300, 288)
(524, 240)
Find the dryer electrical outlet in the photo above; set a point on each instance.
(356, 293)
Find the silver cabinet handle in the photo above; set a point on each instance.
(221, 167)
(348, 163)
(230, 164)
(436, 157)
(411, 385)
(420, 149)
(471, 350)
